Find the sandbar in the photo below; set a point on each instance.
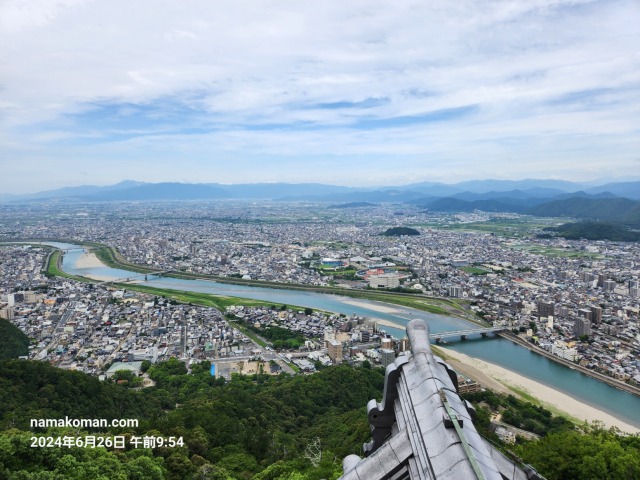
(89, 260)
(498, 378)
(372, 306)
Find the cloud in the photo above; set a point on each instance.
(289, 80)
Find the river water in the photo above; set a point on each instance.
(492, 349)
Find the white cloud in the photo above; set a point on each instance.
(134, 74)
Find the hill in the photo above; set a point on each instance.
(603, 209)
(595, 231)
(13, 343)
(400, 231)
(250, 427)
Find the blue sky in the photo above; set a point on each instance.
(352, 93)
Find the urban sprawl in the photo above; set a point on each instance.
(576, 300)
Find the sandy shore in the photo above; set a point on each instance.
(498, 378)
(388, 323)
(89, 260)
(372, 306)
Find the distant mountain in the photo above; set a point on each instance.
(81, 191)
(160, 191)
(479, 186)
(631, 216)
(610, 209)
(378, 196)
(518, 193)
(583, 194)
(620, 189)
(472, 196)
(430, 189)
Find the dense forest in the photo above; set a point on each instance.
(596, 231)
(256, 427)
(13, 343)
(400, 231)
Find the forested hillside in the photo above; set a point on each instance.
(253, 427)
(13, 343)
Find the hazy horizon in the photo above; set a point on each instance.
(588, 183)
(358, 93)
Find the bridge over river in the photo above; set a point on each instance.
(463, 334)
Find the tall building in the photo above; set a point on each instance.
(387, 356)
(455, 292)
(365, 336)
(545, 309)
(386, 343)
(601, 279)
(582, 327)
(609, 286)
(335, 350)
(585, 313)
(596, 315)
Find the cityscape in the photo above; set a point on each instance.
(578, 300)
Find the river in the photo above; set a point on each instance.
(492, 349)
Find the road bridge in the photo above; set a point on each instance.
(464, 334)
(136, 277)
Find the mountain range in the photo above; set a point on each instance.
(610, 201)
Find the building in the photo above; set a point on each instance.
(333, 262)
(455, 292)
(134, 367)
(7, 313)
(582, 326)
(585, 313)
(609, 286)
(506, 435)
(387, 280)
(596, 315)
(387, 356)
(335, 350)
(545, 309)
(386, 343)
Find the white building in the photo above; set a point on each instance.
(387, 280)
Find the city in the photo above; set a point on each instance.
(578, 300)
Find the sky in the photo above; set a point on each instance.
(358, 92)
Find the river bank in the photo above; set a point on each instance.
(502, 380)
(506, 353)
(597, 375)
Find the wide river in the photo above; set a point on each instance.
(494, 349)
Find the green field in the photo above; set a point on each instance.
(474, 270)
(504, 227)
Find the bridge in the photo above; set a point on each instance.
(136, 277)
(463, 334)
